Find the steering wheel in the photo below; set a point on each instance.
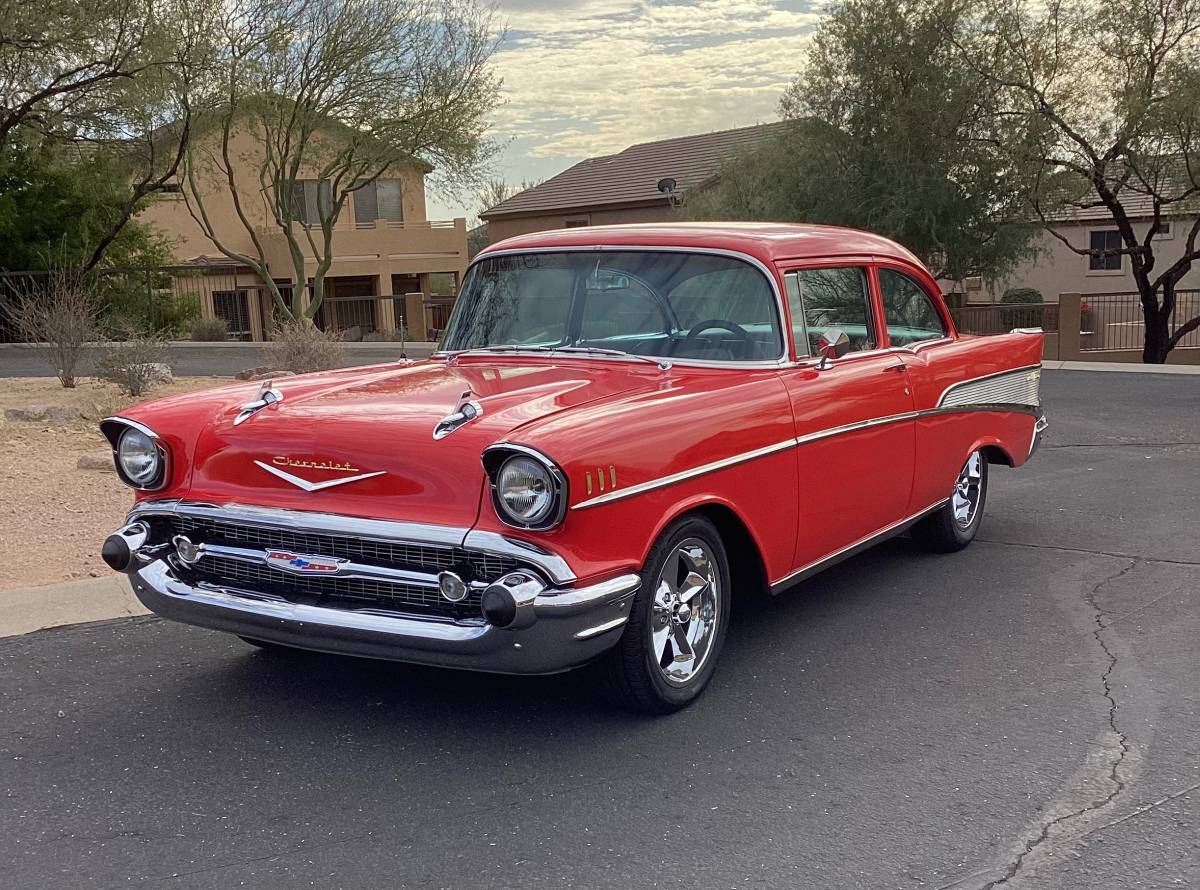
(722, 323)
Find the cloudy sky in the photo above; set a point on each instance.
(589, 77)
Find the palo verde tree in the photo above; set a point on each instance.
(882, 119)
(1101, 99)
(335, 93)
(89, 84)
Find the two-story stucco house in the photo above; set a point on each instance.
(384, 247)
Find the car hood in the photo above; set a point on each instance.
(361, 442)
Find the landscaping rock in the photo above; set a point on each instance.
(157, 373)
(100, 460)
(47, 415)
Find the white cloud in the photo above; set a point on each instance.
(594, 76)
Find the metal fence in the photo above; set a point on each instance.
(1115, 320)
(1000, 318)
(162, 299)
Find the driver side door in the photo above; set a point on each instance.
(853, 415)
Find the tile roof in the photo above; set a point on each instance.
(631, 176)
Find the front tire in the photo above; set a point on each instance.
(676, 629)
(955, 524)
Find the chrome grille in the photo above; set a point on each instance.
(352, 592)
(417, 557)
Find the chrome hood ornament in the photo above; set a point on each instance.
(466, 411)
(267, 396)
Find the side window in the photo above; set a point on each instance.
(830, 298)
(910, 311)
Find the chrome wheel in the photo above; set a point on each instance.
(685, 614)
(965, 500)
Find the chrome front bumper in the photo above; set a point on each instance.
(559, 629)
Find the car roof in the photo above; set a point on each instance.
(767, 242)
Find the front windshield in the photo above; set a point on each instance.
(652, 303)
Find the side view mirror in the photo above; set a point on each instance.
(833, 343)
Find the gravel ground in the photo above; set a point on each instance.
(54, 516)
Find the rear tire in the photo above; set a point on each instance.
(676, 629)
(954, 525)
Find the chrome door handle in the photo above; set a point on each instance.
(899, 369)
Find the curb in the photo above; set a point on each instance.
(26, 609)
(1127, 367)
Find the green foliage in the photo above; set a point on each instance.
(1022, 295)
(1026, 309)
(884, 138)
(57, 201)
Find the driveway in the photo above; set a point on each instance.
(1022, 714)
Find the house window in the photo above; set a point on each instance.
(1102, 240)
(381, 199)
(310, 203)
(1163, 232)
(578, 223)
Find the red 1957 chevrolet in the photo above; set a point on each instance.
(623, 429)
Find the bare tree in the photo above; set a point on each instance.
(332, 94)
(1103, 96)
(58, 315)
(61, 59)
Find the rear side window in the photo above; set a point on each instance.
(836, 297)
(910, 312)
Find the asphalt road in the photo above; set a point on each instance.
(1022, 714)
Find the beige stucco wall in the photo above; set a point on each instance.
(506, 227)
(384, 249)
(1057, 269)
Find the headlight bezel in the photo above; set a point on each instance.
(114, 430)
(497, 457)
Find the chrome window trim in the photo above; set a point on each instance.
(816, 435)
(384, 530)
(164, 452)
(780, 315)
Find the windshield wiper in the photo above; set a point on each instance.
(663, 364)
(600, 350)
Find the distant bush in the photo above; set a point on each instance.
(301, 347)
(1022, 295)
(135, 365)
(1019, 316)
(210, 330)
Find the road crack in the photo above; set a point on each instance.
(1114, 774)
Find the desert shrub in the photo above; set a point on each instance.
(58, 314)
(210, 330)
(399, 335)
(300, 347)
(135, 365)
(1018, 316)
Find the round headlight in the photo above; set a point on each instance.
(525, 490)
(140, 458)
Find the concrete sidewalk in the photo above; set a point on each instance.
(27, 609)
(1131, 367)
